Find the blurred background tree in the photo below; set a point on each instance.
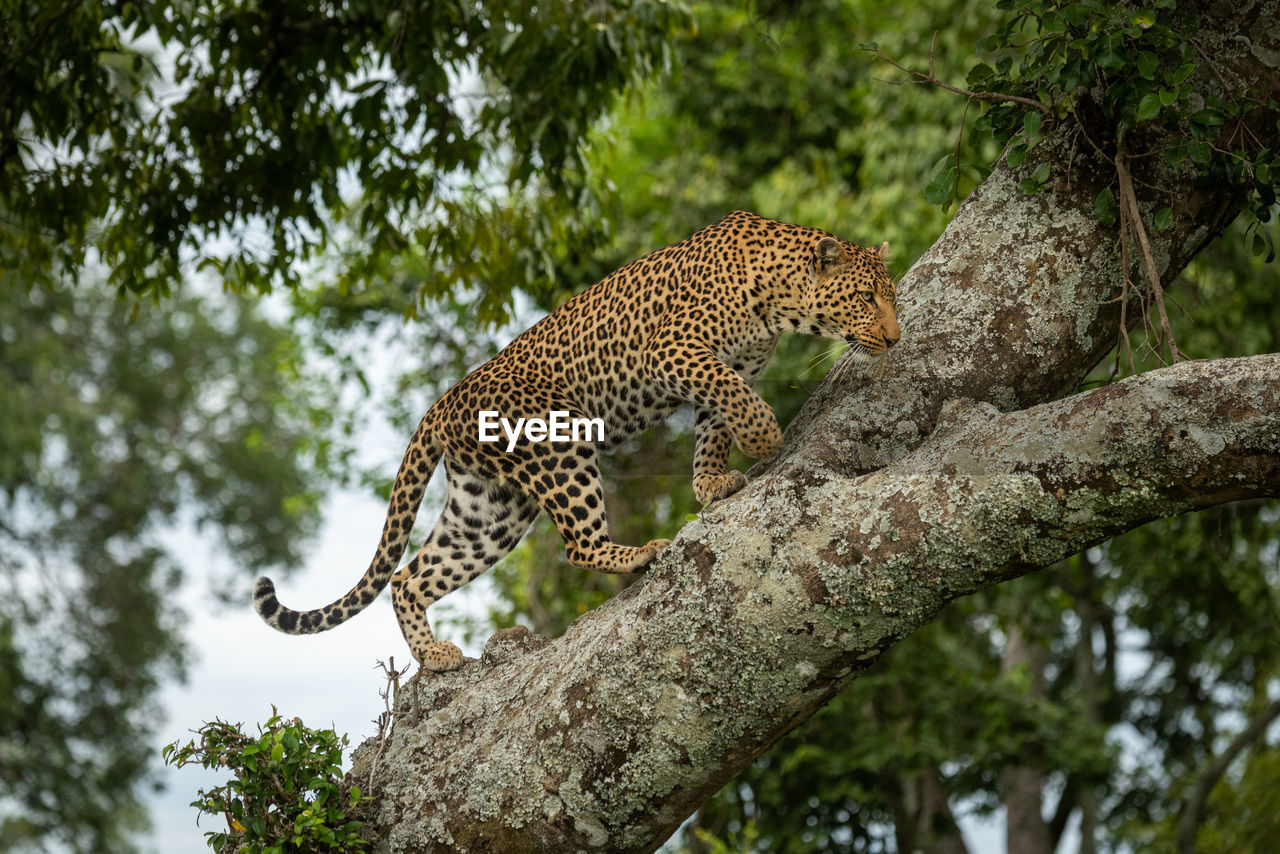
(118, 424)
(471, 165)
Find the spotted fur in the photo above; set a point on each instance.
(692, 323)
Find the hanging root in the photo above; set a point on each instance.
(1131, 218)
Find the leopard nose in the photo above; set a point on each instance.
(889, 342)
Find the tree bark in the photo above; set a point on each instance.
(960, 467)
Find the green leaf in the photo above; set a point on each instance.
(1208, 116)
(1017, 154)
(1031, 125)
(942, 186)
(1167, 96)
(1148, 62)
(1176, 77)
(1144, 19)
(980, 74)
(1164, 218)
(1104, 206)
(1262, 243)
(1042, 173)
(1148, 107)
(981, 172)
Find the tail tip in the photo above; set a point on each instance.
(264, 597)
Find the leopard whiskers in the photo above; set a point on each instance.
(858, 354)
(829, 355)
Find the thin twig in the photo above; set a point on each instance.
(1071, 158)
(1076, 115)
(1124, 303)
(959, 140)
(929, 78)
(386, 720)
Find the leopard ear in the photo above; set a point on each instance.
(883, 251)
(830, 254)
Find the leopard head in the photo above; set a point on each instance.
(851, 298)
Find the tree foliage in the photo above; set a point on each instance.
(248, 137)
(285, 794)
(1113, 68)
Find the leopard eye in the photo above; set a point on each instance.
(868, 296)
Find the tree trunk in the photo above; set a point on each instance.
(1026, 831)
(891, 497)
(924, 821)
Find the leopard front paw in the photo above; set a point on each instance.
(713, 487)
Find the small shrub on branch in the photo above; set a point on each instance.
(285, 795)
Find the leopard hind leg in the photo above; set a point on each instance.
(482, 521)
(565, 480)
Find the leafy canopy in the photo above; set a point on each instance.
(251, 137)
(115, 429)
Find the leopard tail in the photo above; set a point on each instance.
(406, 496)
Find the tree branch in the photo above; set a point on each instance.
(929, 79)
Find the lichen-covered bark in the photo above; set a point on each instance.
(965, 465)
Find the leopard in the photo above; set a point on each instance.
(692, 323)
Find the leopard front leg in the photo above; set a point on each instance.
(712, 478)
(756, 428)
(693, 373)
